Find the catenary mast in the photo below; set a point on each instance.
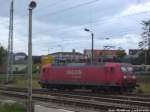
(10, 44)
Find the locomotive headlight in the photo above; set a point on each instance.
(133, 77)
(124, 77)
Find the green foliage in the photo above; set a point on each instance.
(143, 88)
(3, 53)
(36, 68)
(20, 80)
(23, 84)
(139, 90)
(12, 107)
(120, 53)
(144, 84)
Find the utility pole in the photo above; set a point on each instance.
(92, 34)
(146, 38)
(147, 33)
(10, 44)
(30, 108)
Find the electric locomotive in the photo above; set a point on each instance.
(106, 76)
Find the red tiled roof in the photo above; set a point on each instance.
(101, 52)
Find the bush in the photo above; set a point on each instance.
(139, 90)
(12, 107)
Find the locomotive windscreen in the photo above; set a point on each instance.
(127, 70)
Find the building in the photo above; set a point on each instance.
(135, 52)
(139, 56)
(88, 52)
(67, 56)
(102, 55)
(19, 62)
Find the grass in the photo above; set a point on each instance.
(144, 84)
(23, 83)
(12, 107)
(20, 80)
(144, 88)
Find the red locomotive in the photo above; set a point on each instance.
(107, 76)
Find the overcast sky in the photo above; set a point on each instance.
(58, 25)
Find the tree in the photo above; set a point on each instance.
(3, 53)
(120, 53)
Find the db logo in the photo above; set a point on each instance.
(74, 72)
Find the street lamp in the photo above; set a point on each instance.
(48, 50)
(61, 47)
(92, 34)
(32, 5)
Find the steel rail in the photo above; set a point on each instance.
(73, 101)
(110, 102)
(134, 97)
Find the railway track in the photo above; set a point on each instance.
(97, 101)
(136, 97)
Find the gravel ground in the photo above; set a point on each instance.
(39, 108)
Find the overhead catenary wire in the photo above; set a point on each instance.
(103, 21)
(92, 22)
(71, 41)
(50, 5)
(112, 36)
(117, 17)
(87, 3)
(70, 8)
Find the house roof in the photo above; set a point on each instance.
(101, 52)
(66, 53)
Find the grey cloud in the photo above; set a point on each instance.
(67, 29)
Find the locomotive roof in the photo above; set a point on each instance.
(77, 64)
(83, 64)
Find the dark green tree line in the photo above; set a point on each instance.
(3, 53)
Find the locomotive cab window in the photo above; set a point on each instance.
(130, 69)
(124, 69)
(127, 70)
